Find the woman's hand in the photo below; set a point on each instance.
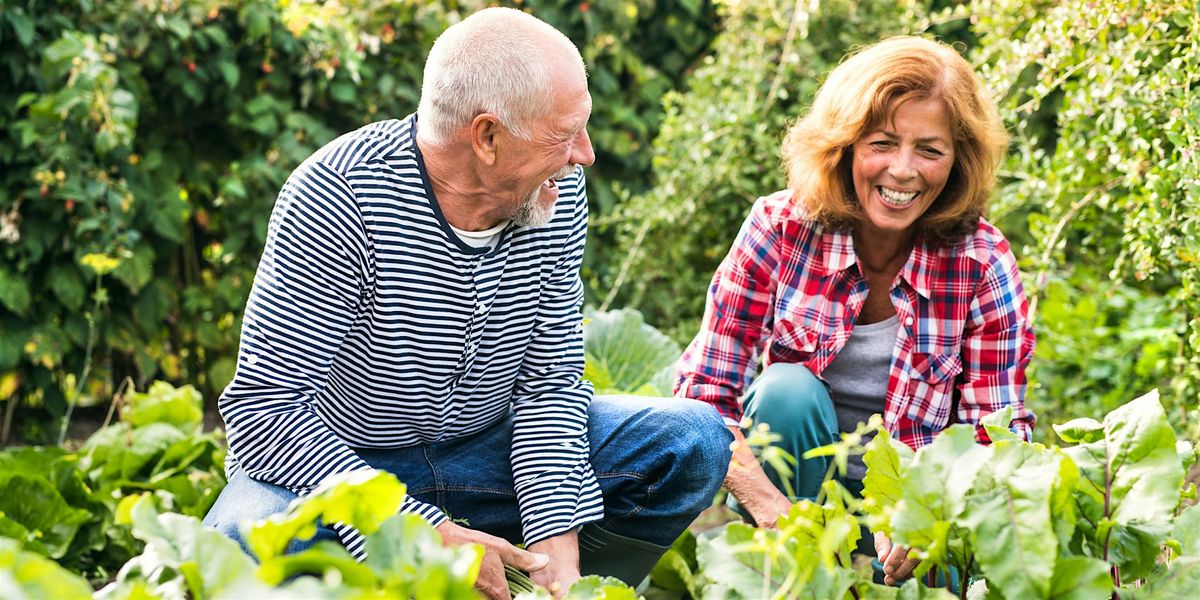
(896, 563)
(497, 552)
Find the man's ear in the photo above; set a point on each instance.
(485, 137)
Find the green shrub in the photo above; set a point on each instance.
(1102, 175)
(148, 140)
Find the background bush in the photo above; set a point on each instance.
(144, 141)
(1098, 194)
(152, 137)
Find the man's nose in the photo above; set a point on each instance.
(581, 149)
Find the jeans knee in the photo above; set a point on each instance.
(788, 396)
(243, 501)
(702, 442)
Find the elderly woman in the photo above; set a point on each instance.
(873, 284)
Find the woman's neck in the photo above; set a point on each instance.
(882, 252)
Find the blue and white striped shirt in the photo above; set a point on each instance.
(372, 325)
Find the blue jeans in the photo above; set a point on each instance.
(659, 462)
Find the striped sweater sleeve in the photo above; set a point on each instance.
(307, 293)
(556, 488)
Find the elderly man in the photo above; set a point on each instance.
(416, 310)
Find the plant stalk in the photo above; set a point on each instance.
(87, 362)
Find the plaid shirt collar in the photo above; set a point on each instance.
(837, 249)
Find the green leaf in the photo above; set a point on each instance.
(65, 282)
(1181, 580)
(1011, 519)
(119, 452)
(324, 558)
(344, 92)
(408, 556)
(1080, 578)
(14, 292)
(1130, 485)
(1080, 431)
(618, 343)
(204, 560)
(677, 570)
(182, 408)
(34, 503)
(22, 26)
(27, 575)
(136, 270)
(361, 499)
(726, 560)
(229, 71)
(887, 461)
(600, 588)
(934, 494)
(998, 423)
(913, 590)
(1187, 531)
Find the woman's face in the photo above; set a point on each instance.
(900, 168)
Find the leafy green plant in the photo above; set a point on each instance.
(1102, 516)
(28, 575)
(62, 505)
(624, 355)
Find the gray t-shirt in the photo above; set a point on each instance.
(859, 378)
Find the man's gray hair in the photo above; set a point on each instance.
(494, 61)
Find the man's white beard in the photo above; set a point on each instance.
(533, 212)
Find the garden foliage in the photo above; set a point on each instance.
(1098, 194)
(63, 505)
(1108, 513)
(144, 142)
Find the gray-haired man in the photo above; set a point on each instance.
(416, 310)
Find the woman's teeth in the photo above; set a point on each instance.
(896, 198)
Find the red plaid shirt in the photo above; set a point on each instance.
(795, 288)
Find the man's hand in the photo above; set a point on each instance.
(896, 563)
(747, 481)
(497, 552)
(563, 570)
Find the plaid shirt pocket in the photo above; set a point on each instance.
(793, 344)
(931, 387)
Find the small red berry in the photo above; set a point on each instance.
(335, 63)
(267, 68)
(584, 7)
(70, 204)
(191, 67)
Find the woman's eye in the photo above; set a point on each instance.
(881, 144)
(930, 151)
